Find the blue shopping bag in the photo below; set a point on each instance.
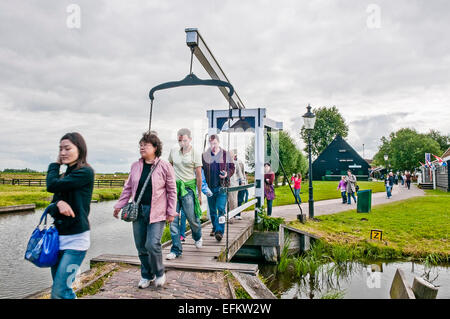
(43, 246)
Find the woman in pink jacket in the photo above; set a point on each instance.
(297, 179)
(343, 188)
(158, 205)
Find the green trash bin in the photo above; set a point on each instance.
(364, 203)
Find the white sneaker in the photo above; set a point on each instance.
(160, 281)
(144, 283)
(199, 243)
(171, 256)
(238, 217)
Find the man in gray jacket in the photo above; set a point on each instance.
(350, 179)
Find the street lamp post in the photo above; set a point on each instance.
(310, 119)
(386, 158)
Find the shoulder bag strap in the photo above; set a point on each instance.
(146, 182)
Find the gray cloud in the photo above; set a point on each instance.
(281, 56)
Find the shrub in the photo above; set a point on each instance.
(268, 223)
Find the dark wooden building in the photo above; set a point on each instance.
(336, 159)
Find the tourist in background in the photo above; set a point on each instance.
(73, 195)
(297, 179)
(343, 188)
(350, 180)
(269, 191)
(389, 184)
(242, 194)
(158, 205)
(234, 181)
(408, 179)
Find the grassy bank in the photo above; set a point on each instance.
(322, 190)
(43, 175)
(20, 195)
(416, 228)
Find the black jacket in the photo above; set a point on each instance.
(75, 188)
(225, 164)
(390, 180)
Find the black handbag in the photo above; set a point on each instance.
(130, 211)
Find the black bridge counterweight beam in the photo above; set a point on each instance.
(190, 80)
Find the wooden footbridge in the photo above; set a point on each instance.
(213, 255)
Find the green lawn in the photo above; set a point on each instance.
(415, 227)
(322, 190)
(43, 175)
(19, 195)
(436, 192)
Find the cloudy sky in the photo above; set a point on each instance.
(384, 64)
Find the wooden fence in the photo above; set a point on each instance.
(99, 183)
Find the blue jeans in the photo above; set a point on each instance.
(217, 203)
(269, 207)
(344, 197)
(242, 198)
(147, 238)
(297, 194)
(349, 196)
(186, 203)
(64, 273)
(388, 191)
(182, 223)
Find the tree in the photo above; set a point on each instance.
(405, 149)
(329, 123)
(442, 140)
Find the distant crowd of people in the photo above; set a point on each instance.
(392, 179)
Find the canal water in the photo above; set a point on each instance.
(352, 281)
(20, 278)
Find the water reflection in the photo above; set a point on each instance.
(19, 278)
(350, 280)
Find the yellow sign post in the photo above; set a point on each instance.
(376, 234)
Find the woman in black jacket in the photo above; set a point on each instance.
(73, 194)
(389, 184)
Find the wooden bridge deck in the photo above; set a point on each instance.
(212, 256)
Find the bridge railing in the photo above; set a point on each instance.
(237, 210)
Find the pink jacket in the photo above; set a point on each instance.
(164, 190)
(342, 186)
(297, 182)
